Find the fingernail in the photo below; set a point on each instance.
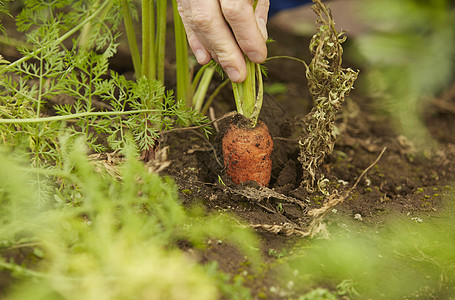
(200, 56)
(263, 28)
(233, 74)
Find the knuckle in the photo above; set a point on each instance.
(232, 8)
(202, 18)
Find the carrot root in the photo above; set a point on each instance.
(247, 153)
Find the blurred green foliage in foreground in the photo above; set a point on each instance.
(405, 258)
(99, 236)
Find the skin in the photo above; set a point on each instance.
(225, 30)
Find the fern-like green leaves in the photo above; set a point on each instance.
(3, 10)
(59, 86)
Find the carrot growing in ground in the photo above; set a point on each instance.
(247, 144)
(247, 152)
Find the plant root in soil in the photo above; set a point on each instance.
(247, 153)
(311, 221)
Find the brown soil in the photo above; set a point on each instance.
(404, 180)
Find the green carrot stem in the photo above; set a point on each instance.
(160, 43)
(245, 93)
(199, 95)
(237, 89)
(247, 100)
(76, 116)
(184, 88)
(213, 95)
(285, 57)
(131, 36)
(85, 31)
(198, 75)
(260, 95)
(249, 89)
(148, 39)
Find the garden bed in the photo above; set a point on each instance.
(375, 174)
(405, 181)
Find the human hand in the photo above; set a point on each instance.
(224, 30)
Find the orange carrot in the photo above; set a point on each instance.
(247, 153)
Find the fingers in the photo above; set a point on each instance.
(199, 50)
(242, 20)
(209, 36)
(224, 30)
(202, 55)
(261, 13)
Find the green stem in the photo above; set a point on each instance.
(131, 36)
(260, 95)
(198, 75)
(213, 95)
(199, 95)
(40, 86)
(76, 116)
(148, 39)
(160, 43)
(89, 102)
(285, 57)
(19, 269)
(60, 39)
(249, 90)
(85, 31)
(238, 96)
(247, 100)
(245, 93)
(184, 88)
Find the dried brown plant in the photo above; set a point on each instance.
(329, 83)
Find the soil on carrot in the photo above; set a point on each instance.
(404, 180)
(247, 153)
